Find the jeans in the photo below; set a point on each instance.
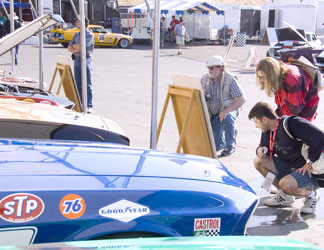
(77, 77)
(16, 54)
(224, 131)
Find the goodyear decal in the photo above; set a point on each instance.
(207, 227)
(124, 210)
(21, 207)
(72, 206)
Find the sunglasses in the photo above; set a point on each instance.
(213, 67)
(261, 77)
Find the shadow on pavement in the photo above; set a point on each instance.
(276, 221)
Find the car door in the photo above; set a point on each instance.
(102, 37)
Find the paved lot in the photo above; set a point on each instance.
(122, 92)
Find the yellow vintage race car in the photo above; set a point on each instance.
(102, 37)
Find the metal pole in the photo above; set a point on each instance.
(33, 9)
(224, 31)
(20, 12)
(149, 9)
(83, 56)
(60, 7)
(74, 9)
(4, 8)
(12, 28)
(155, 67)
(41, 45)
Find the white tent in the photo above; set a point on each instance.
(196, 14)
(179, 7)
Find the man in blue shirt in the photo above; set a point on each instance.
(181, 34)
(75, 48)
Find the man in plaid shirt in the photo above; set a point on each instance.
(224, 97)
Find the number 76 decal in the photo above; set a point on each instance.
(72, 206)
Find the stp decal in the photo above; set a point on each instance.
(124, 210)
(207, 227)
(21, 207)
(72, 206)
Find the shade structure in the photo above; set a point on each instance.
(179, 7)
(16, 5)
(19, 35)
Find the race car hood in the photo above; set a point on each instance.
(22, 158)
(26, 111)
(18, 36)
(288, 34)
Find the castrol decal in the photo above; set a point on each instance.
(21, 207)
(207, 227)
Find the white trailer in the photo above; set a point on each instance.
(301, 16)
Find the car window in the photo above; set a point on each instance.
(101, 30)
(82, 133)
(43, 130)
(314, 37)
(308, 38)
(98, 30)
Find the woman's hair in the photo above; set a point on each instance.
(274, 72)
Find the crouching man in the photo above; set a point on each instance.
(281, 154)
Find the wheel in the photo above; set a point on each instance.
(123, 43)
(65, 45)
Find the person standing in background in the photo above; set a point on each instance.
(173, 23)
(6, 28)
(162, 31)
(75, 48)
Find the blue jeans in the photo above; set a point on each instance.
(224, 131)
(77, 77)
(16, 54)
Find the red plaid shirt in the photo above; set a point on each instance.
(297, 95)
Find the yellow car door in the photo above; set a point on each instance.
(102, 37)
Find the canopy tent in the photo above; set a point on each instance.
(200, 16)
(179, 7)
(16, 5)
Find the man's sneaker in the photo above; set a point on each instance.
(90, 110)
(226, 152)
(280, 199)
(310, 203)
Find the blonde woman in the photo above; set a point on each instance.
(293, 90)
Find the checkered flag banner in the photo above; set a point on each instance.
(240, 39)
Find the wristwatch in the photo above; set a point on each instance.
(309, 161)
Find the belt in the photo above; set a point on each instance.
(79, 57)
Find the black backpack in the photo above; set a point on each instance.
(319, 177)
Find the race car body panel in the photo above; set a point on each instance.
(80, 191)
(102, 36)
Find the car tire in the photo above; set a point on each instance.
(65, 45)
(123, 43)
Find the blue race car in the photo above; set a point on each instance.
(54, 191)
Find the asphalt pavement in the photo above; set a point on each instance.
(122, 81)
